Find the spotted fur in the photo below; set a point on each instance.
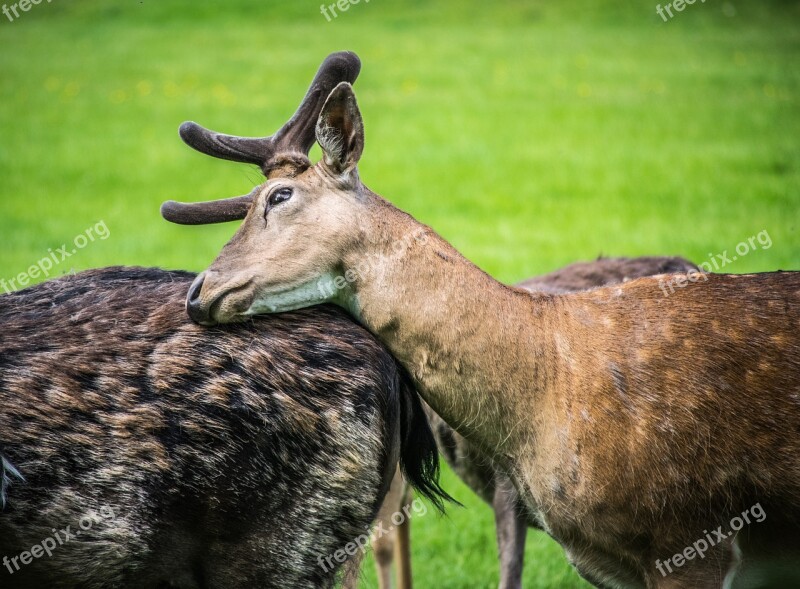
(231, 457)
(478, 470)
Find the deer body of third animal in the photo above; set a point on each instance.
(631, 422)
(141, 451)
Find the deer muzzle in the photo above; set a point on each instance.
(196, 307)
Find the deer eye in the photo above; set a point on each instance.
(279, 196)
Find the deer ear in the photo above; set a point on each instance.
(340, 130)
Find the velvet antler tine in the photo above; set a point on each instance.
(247, 150)
(298, 133)
(204, 213)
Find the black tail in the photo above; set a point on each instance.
(419, 455)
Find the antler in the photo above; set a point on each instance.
(203, 213)
(289, 145)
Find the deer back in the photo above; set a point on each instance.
(222, 457)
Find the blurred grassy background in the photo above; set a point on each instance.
(530, 134)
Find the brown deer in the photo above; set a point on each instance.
(477, 470)
(140, 451)
(630, 422)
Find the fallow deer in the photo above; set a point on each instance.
(630, 422)
(146, 453)
(140, 451)
(477, 470)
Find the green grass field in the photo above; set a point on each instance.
(530, 134)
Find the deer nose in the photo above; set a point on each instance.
(198, 312)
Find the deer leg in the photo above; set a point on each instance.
(385, 534)
(402, 548)
(512, 529)
(383, 549)
(352, 571)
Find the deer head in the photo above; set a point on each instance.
(298, 226)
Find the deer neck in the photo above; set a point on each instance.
(475, 348)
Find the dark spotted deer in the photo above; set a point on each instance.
(141, 451)
(237, 457)
(629, 422)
